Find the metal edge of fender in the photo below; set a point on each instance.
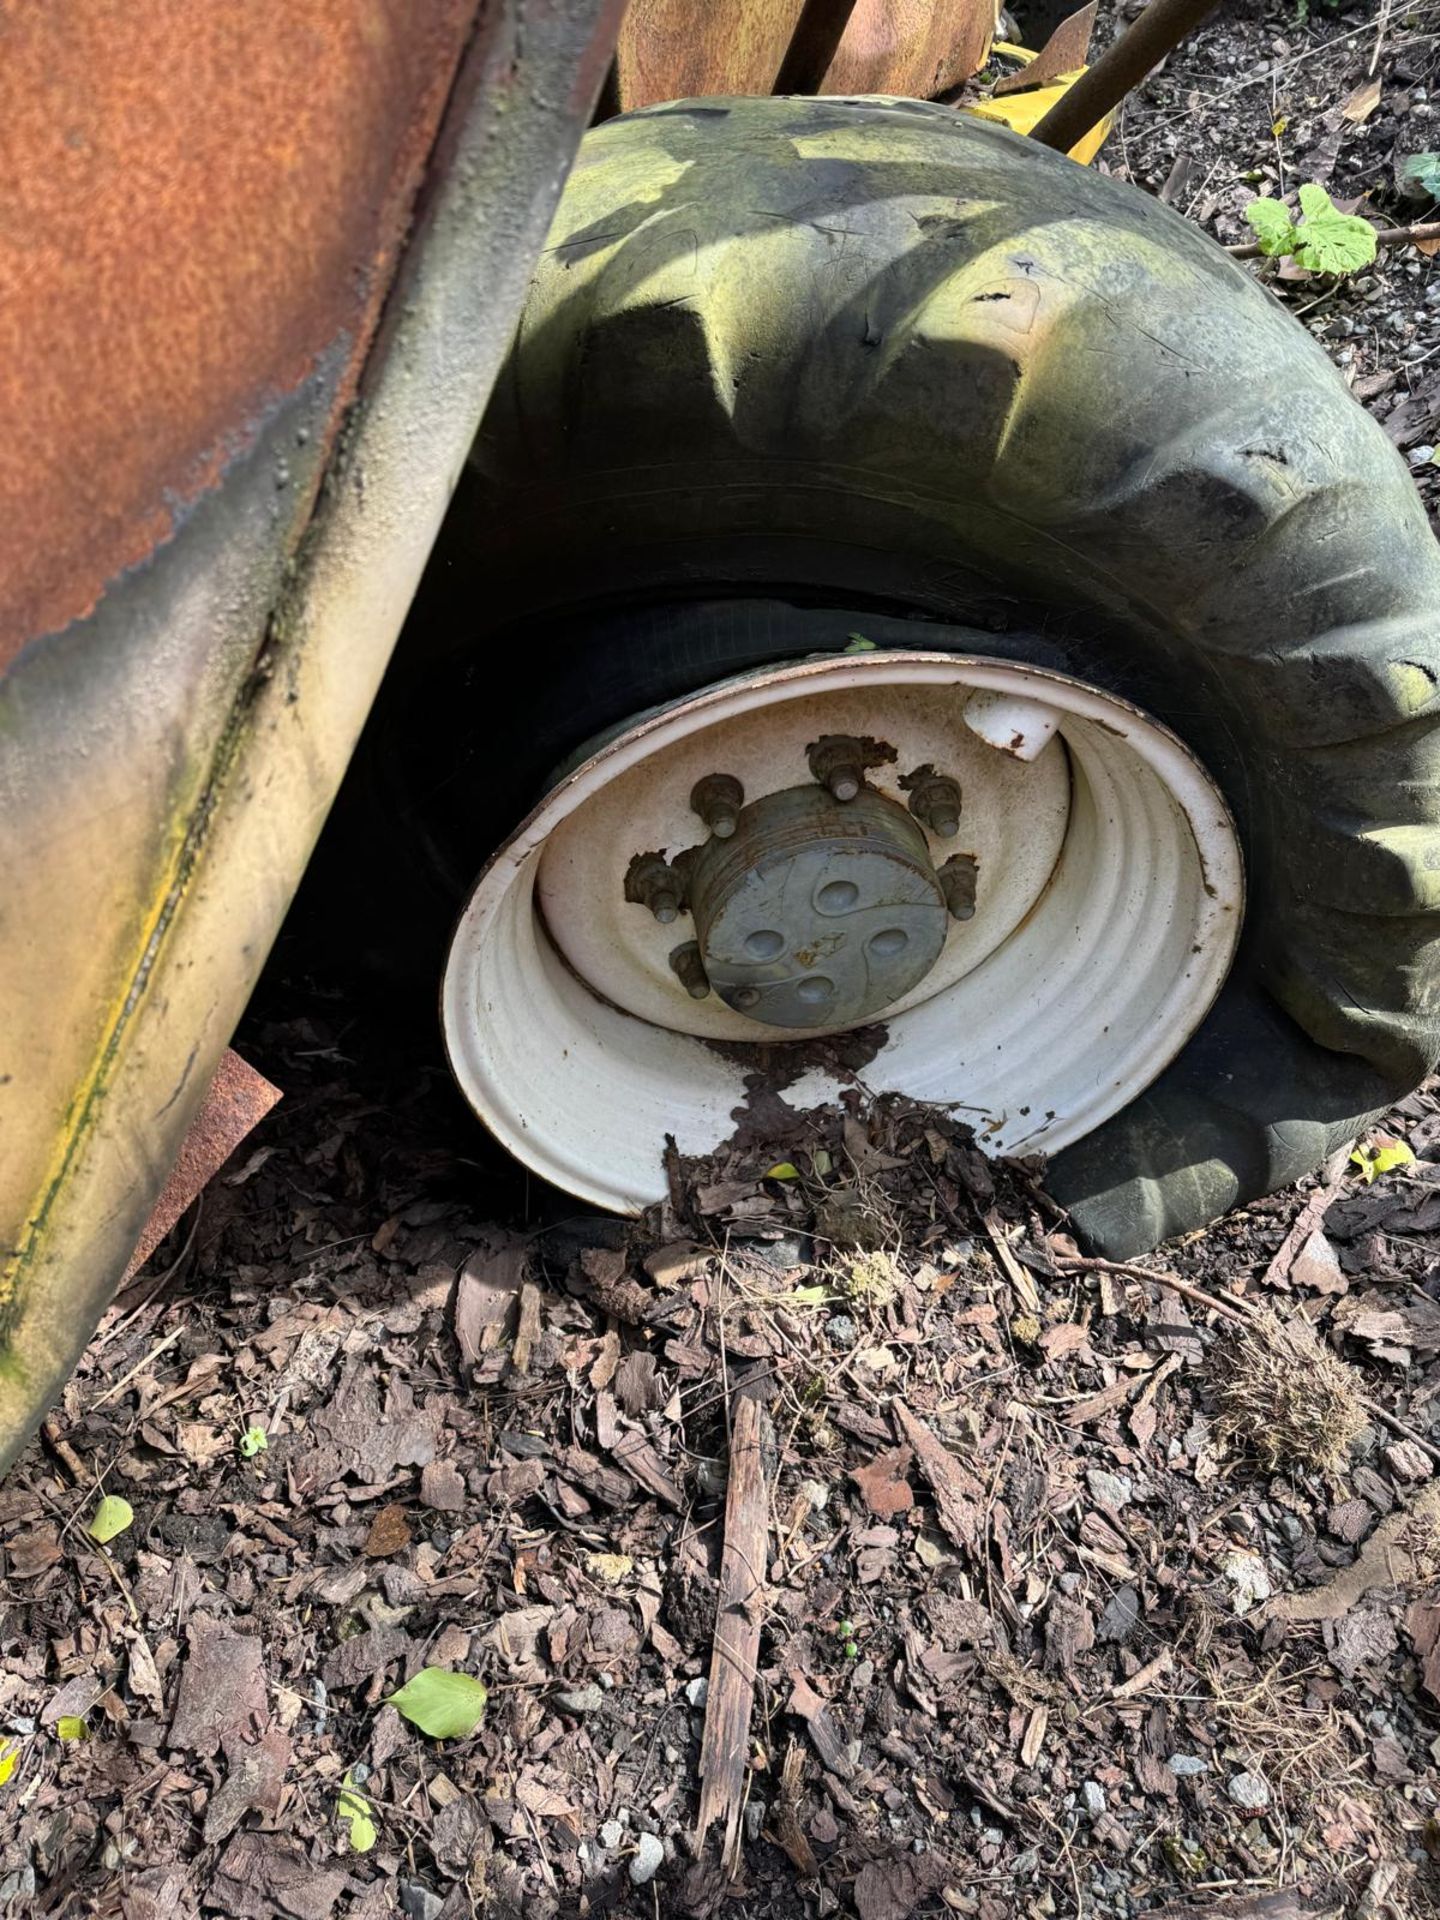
(322, 613)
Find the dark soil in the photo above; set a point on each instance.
(1035, 1637)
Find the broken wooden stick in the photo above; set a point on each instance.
(724, 1748)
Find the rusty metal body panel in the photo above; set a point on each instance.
(672, 49)
(227, 436)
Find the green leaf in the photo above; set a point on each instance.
(9, 1754)
(1331, 242)
(254, 1440)
(820, 1161)
(70, 1727)
(783, 1170)
(354, 1809)
(1418, 177)
(112, 1516)
(445, 1705)
(807, 1297)
(1274, 229)
(1383, 1157)
(859, 644)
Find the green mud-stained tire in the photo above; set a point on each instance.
(874, 354)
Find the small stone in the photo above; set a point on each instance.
(841, 1331)
(1249, 1791)
(1112, 1490)
(1185, 1765)
(1121, 1614)
(1249, 1579)
(698, 1691)
(417, 1901)
(647, 1860)
(612, 1835)
(1092, 1794)
(1421, 456)
(580, 1699)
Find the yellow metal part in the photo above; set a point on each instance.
(1023, 112)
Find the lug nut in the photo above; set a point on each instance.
(934, 801)
(958, 879)
(689, 968)
(744, 998)
(718, 799)
(650, 881)
(839, 761)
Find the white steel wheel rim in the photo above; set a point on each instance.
(575, 1045)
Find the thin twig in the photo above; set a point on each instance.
(139, 1367)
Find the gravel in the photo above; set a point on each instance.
(1249, 1791)
(648, 1859)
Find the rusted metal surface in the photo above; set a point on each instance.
(238, 1100)
(670, 49)
(813, 45)
(919, 47)
(167, 759)
(200, 202)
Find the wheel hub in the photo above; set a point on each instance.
(816, 912)
(1089, 870)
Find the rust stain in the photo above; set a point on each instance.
(197, 202)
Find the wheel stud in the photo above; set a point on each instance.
(744, 998)
(957, 880)
(839, 762)
(689, 968)
(718, 799)
(650, 881)
(934, 801)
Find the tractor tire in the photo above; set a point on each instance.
(817, 354)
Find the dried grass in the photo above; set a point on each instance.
(1282, 1391)
(1270, 1717)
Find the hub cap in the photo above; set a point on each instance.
(815, 911)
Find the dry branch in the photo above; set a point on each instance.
(724, 1749)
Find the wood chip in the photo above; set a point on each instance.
(882, 1483)
(1020, 1278)
(959, 1496)
(829, 1744)
(725, 1745)
(486, 1293)
(527, 1332)
(389, 1532)
(1034, 1736)
(1362, 103)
